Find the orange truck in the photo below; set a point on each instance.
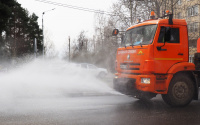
(154, 59)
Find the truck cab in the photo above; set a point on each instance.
(154, 59)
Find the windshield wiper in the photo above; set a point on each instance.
(132, 45)
(141, 44)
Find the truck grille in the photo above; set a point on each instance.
(130, 66)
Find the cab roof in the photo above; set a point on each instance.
(160, 21)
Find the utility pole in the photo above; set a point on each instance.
(43, 30)
(69, 48)
(43, 35)
(86, 44)
(35, 48)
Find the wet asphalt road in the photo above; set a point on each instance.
(96, 109)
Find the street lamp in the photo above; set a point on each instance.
(43, 30)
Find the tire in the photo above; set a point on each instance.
(180, 92)
(102, 74)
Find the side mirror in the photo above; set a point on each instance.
(115, 32)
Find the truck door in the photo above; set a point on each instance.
(170, 48)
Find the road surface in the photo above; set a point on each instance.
(102, 109)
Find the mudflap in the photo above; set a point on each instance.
(127, 86)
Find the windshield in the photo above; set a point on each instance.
(140, 35)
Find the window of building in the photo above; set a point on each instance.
(196, 10)
(193, 27)
(196, 27)
(193, 11)
(188, 11)
(179, 2)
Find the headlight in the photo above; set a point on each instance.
(145, 80)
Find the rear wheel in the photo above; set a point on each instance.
(180, 92)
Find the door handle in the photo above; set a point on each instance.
(181, 54)
(159, 48)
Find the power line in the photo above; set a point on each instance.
(75, 7)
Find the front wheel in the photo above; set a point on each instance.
(180, 92)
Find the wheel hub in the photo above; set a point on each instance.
(180, 90)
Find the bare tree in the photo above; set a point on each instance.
(128, 11)
(82, 41)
